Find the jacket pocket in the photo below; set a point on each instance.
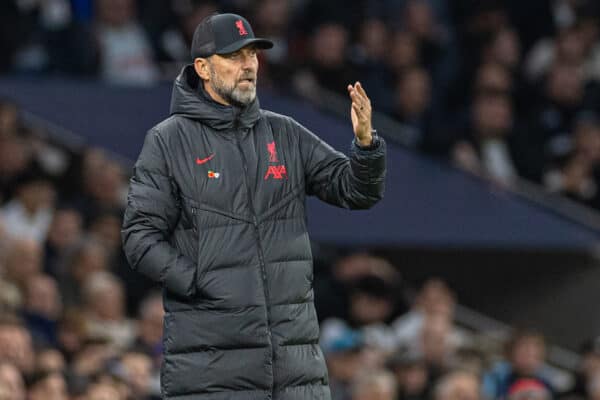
(225, 242)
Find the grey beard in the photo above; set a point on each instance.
(232, 94)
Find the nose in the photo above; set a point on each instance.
(249, 63)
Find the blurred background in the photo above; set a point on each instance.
(477, 277)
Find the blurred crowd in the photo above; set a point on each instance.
(382, 343)
(503, 88)
(75, 321)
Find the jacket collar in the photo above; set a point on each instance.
(190, 100)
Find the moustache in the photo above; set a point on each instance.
(249, 78)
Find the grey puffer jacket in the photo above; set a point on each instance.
(216, 214)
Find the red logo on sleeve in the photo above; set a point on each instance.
(241, 29)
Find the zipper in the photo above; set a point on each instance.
(261, 257)
(194, 222)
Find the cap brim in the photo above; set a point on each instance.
(258, 42)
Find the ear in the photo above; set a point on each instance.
(201, 68)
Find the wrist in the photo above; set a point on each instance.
(367, 142)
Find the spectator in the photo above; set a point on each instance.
(587, 376)
(126, 56)
(469, 358)
(137, 368)
(419, 19)
(11, 382)
(568, 47)
(106, 228)
(594, 386)
(23, 262)
(50, 360)
(15, 158)
(411, 374)
(15, 344)
(436, 346)
(369, 56)
(29, 213)
(327, 65)
(504, 49)
(173, 43)
(103, 391)
(403, 52)
(105, 310)
(371, 46)
(526, 353)
(333, 291)
(93, 360)
(10, 122)
(48, 386)
(71, 333)
(413, 101)
(42, 309)
(150, 333)
(434, 300)
(375, 385)
(490, 146)
(273, 22)
(562, 100)
(343, 349)
(457, 385)
(107, 188)
(577, 176)
(372, 305)
(98, 185)
(437, 53)
(493, 77)
(528, 389)
(64, 231)
(87, 257)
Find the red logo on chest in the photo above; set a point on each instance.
(241, 29)
(272, 152)
(276, 172)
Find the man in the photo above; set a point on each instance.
(457, 385)
(216, 215)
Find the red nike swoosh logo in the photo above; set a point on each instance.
(202, 161)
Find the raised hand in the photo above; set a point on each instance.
(360, 113)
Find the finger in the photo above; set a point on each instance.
(361, 90)
(359, 103)
(363, 95)
(356, 96)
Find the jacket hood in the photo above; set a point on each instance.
(190, 100)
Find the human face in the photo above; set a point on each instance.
(528, 355)
(232, 76)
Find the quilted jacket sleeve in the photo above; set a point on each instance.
(357, 182)
(150, 217)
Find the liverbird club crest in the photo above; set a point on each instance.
(272, 152)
